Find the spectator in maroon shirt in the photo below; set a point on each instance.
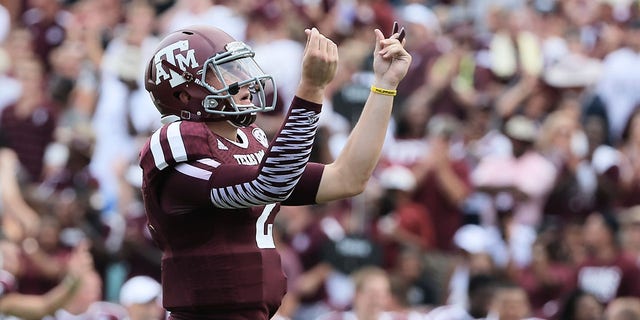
(28, 306)
(443, 181)
(46, 21)
(74, 149)
(403, 222)
(29, 123)
(607, 272)
(549, 276)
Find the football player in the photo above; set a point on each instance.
(213, 182)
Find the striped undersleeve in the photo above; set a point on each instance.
(281, 169)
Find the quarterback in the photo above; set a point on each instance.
(213, 182)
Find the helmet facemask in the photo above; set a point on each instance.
(235, 72)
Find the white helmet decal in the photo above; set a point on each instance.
(182, 58)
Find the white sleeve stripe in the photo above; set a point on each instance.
(193, 171)
(209, 162)
(175, 142)
(156, 151)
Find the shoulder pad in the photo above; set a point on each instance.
(173, 143)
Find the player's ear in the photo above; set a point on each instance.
(184, 97)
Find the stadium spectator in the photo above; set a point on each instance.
(140, 295)
(510, 180)
(443, 180)
(402, 222)
(618, 78)
(605, 160)
(608, 272)
(17, 46)
(372, 297)
(88, 303)
(480, 293)
(630, 166)
(43, 257)
(352, 247)
(46, 20)
(31, 306)
(509, 302)
(623, 308)
(473, 258)
(580, 305)
(408, 138)
(548, 277)
(412, 285)
(630, 231)
(19, 219)
(563, 142)
(30, 122)
(124, 114)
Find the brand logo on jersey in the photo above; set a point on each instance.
(221, 146)
(250, 159)
(261, 137)
(177, 54)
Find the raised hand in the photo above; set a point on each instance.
(390, 61)
(80, 261)
(319, 62)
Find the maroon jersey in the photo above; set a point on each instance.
(29, 137)
(607, 281)
(211, 203)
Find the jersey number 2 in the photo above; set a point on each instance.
(265, 240)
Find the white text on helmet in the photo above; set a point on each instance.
(183, 58)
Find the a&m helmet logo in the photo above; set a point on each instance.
(177, 54)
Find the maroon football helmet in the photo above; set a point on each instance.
(183, 62)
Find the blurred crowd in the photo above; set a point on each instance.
(509, 186)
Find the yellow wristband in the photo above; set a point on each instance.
(385, 92)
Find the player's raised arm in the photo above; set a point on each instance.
(209, 89)
(288, 154)
(348, 175)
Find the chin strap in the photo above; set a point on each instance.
(243, 120)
